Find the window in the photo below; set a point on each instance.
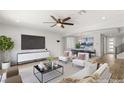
(111, 44)
(70, 42)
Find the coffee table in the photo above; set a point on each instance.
(36, 70)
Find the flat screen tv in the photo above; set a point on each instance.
(32, 42)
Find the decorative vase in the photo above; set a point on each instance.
(5, 65)
(52, 65)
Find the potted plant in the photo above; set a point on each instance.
(6, 44)
(77, 45)
(50, 59)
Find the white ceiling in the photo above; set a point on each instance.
(91, 20)
(115, 32)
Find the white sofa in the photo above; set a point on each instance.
(89, 71)
(86, 71)
(80, 62)
(101, 75)
(104, 74)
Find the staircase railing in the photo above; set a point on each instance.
(119, 49)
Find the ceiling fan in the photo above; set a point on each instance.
(60, 22)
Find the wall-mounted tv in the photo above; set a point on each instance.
(32, 42)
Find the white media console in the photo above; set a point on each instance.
(30, 56)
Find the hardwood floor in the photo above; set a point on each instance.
(117, 69)
(116, 66)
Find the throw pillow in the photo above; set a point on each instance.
(66, 54)
(81, 56)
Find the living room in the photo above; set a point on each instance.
(73, 42)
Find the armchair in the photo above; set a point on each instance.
(65, 57)
(81, 59)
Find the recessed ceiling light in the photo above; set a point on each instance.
(103, 18)
(18, 21)
(81, 12)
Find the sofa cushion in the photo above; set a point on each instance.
(105, 76)
(63, 58)
(81, 74)
(103, 73)
(88, 70)
(79, 62)
(14, 79)
(101, 69)
(91, 67)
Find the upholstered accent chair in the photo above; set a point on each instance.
(65, 57)
(81, 59)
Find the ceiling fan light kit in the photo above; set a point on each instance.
(81, 12)
(58, 24)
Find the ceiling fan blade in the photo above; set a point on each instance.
(54, 18)
(53, 25)
(49, 22)
(59, 20)
(66, 19)
(68, 23)
(62, 26)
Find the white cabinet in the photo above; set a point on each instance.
(29, 56)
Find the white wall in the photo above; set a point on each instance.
(123, 40)
(70, 42)
(97, 41)
(105, 45)
(118, 41)
(15, 33)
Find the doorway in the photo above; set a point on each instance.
(107, 45)
(110, 45)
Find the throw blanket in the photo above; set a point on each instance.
(69, 80)
(87, 79)
(90, 79)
